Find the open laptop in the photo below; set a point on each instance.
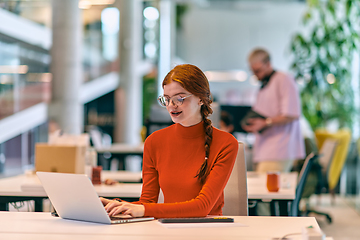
(74, 197)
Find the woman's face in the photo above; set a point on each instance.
(187, 113)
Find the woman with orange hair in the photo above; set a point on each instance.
(190, 161)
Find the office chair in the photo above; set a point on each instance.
(321, 169)
(305, 170)
(235, 192)
(343, 138)
(316, 181)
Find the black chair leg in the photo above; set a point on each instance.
(252, 207)
(328, 217)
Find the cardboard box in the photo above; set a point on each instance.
(60, 158)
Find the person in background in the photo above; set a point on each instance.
(279, 141)
(190, 161)
(226, 122)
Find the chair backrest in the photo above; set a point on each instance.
(343, 136)
(235, 192)
(305, 170)
(326, 154)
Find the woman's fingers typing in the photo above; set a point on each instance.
(111, 205)
(135, 210)
(114, 207)
(116, 210)
(104, 201)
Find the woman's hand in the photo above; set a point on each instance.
(115, 207)
(105, 201)
(254, 125)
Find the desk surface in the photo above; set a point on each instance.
(257, 186)
(43, 226)
(29, 185)
(121, 148)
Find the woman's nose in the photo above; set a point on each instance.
(172, 102)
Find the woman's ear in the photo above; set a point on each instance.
(201, 102)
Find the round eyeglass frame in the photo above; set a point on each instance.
(165, 103)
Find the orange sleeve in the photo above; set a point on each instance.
(151, 188)
(203, 203)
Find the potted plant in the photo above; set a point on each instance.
(323, 58)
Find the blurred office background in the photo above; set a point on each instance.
(118, 52)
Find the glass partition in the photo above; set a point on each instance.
(24, 76)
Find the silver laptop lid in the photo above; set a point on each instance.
(73, 197)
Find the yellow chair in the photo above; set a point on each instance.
(343, 139)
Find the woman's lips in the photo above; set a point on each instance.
(175, 113)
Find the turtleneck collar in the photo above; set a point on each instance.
(193, 131)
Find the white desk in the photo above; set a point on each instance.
(122, 148)
(122, 176)
(31, 185)
(257, 187)
(280, 202)
(22, 185)
(28, 187)
(39, 226)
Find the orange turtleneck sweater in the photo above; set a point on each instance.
(172, 158)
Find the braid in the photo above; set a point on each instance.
(192, 79)
(208, 128)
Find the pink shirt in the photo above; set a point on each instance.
(279, 142)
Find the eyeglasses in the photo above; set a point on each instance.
(176, 100)
(259, 69)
